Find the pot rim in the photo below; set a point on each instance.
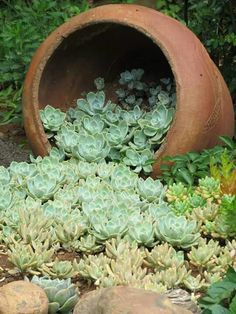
(73, 25)
(196, 77)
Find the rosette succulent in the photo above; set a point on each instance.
(143, 234)
(151, 190)
(163, 256)
(4, 176)
(156, 123)
(91, 148)
(6, 197)
(62, 294)
(139, 160)
(52, 118)
(95, 103)
(178, 231)
(42, 186)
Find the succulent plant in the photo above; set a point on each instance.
(194, 283)
(68, 234)
(91, 148)
(156, 123)
(180, 207)
(62, 294)
(4, 176)
(178, 231)
(34, 227)
(177, 192)
(6, 197)
(99, 83)
(150, 190)
(172, 277)
(95, 103)
(204, 254)
(52, 118)
(117, 135)
(122, 272)
(88, 245)
(105, 170)
(42, 186)
(163, 256)
(143, 234)
(132, 76)
(123, 179)
(67, 139)
(149, 282)
(59, 269)
(29, 258)
(93, 267)
(117, 247)
(209, 188)
(86, 169)
(156, 211)
(139, 160)
(107, 229)
(93, 124)
(211, 278)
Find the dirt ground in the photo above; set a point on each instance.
(13, 145)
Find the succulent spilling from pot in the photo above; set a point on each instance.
(87, 198)
(128, 132)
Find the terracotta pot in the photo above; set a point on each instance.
(109, 39)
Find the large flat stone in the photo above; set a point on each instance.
(126, 300)
(21, 297)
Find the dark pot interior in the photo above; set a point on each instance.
(98, 50)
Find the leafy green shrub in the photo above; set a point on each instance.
(190, 167)
(221, 296)
(24, 26)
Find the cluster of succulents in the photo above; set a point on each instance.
(62, 294)
(129, 131)
(184, 199)
(86, 198)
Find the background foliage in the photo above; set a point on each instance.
(26, 23)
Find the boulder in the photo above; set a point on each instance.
(21, 297)
(117, 300)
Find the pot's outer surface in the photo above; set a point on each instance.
(204, 106)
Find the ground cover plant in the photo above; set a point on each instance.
(86, 215)
(87, 199)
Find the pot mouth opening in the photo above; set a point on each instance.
(104, 49)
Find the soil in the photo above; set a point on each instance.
(13, 145)
(8, 273)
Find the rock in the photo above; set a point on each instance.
(21, 297)
(183, 298)
(117, 300)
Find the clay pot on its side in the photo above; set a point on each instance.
(109, 39)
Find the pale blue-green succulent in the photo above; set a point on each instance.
(52, 118)
(62, 294)
(93, 124)
(42, 186)
(143, 234)
(5, 176)
(139, 160)
(178, 231)
(95, 103)
(91, 148)
(151, 190)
